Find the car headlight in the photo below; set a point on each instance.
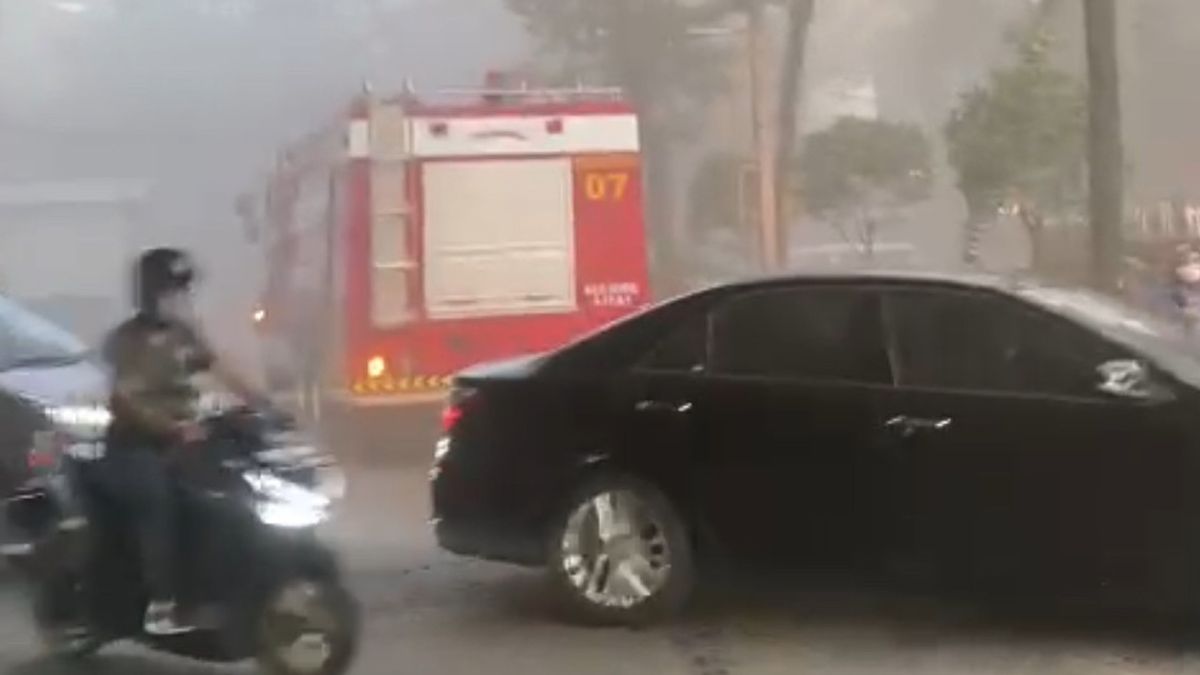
(282, 503)
(328, 478)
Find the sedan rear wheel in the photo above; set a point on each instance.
(620, 554)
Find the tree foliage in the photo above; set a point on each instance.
(857, 160)
(714, 197)
(858, 169)
(1021, 136)
(653, 51)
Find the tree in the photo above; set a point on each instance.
(1019, 140)
(715, 197)
(795, 52)
(1105, 150)
(858, 168)
(648, 47)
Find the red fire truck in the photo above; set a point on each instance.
(411, 239)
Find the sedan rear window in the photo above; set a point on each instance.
(685, 349)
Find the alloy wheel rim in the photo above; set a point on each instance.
(614, 550)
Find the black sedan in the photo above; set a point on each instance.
(47, 381)
(1004, 435)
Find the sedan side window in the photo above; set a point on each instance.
(822, 333)
(685, 349)
(1055, 356)
(977, 342)
(26, 339)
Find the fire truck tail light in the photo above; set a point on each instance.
(376, 367)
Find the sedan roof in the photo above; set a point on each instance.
(996, 282)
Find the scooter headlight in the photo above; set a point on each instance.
(82, 422)
(282, 503)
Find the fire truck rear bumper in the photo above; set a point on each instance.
(387, 400)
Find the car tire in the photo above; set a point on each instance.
(653, 545)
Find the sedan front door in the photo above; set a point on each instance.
(1018, 470)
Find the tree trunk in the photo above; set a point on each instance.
(1035, 227)
(1105, 151)
(870, 235)
(800, 14)
(765, 135)
(978, 214)
(666, 242)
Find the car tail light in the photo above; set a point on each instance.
(40, 460)
(451, 414)
(455, 408)
(45, 452)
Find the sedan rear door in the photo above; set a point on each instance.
(784, 462)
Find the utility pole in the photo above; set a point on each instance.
(1105, 152)
(764, 137)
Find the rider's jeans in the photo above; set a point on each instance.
(138, 481)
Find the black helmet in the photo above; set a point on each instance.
(160, 271)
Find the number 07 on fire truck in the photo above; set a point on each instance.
(414, 238)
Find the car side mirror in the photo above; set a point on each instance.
(1129, 379)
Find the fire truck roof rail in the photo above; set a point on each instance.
(538, 93)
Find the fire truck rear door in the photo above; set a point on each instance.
(498, 237)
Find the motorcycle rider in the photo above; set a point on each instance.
(154, 356)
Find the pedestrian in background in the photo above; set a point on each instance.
(1185, 288)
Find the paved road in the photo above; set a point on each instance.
(430, 614)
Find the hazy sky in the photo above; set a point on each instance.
(198, 95)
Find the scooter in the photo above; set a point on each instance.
(258, 583)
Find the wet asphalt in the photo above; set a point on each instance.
(430, 613)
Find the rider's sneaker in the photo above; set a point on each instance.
(72, 524)
(162, 619)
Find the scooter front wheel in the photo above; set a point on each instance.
(309, 627)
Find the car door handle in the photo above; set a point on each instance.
(907, 426)
(653, 406)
